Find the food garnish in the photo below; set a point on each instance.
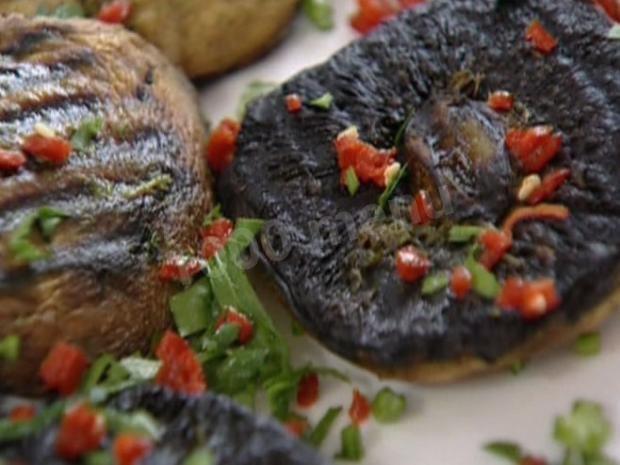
(222, 145)
(540, 38)
(320, 13)
(115, 12)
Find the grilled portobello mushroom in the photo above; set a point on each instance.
(201, 36)
(421, 82)
(231, 434)
(82, 242)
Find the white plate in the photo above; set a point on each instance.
(445, 425)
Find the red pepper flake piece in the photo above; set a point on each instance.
(360, 408)
(611, 7)
(422, 211)
(215, 237)
(23, 413)
(551, 183)
(233, 317)
(54, 150)
(181, 370)
(11, 161)
(532, 300)
(544, 211)
(131, 449)
(501, 101)
(496, 244)
(461, 282)
(534, 147)
(223, 144)
(411, 264)
(374, 12)
(308, 390)
(115, 12)
(370, 163)
(540, 38)
(297, 427)
(180, 269)
(294, 104)
(63, 368)
(82, 431)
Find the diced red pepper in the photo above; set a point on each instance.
(501, 101)
(308, 390)
(532, 300)
(215, 237)
(534, 147)
(496, 244)
(294, 104)
(131, 449)
(411, 264)
(180, 269)
(54, 150)
(360, 408)
(23, 413)
(369, 163)
(374, 12)
(611, 7)
(544, 211)
(63, 368)
(180, 370)
(82, 430)
(246, 328)
(297, 427)
(422, 211)
(11, 161)
(461, 282)
(550, 185)
(115, 12)
(540, 38)
(223, 144)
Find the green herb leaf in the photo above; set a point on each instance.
(252, 92)
(484, 282)
(138, 422)
(462, 234)
(9, 348)
(86, 133)
(588, 345)
(324, 102)
(320, 12)
(351, 181)
(388, 407)
(390, 189)
(614, 32)
(324, 426)
(49, 219)
(200, 457)
(352, 447)
(434, 283)
(585, 429)
(190, 308)
(506, 450)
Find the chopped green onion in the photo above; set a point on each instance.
(199, 457)
(588, 345)
(390, 189)
(388, 407)
(463, 234)
(100, 458)
(49, 219)
(140, 368)
(351, 181)
(10, 431)
(400, 134)
(214, 215)
(21, 246)
(139, 422)
(585, 430)
(322, 429)
(352, 447)
(506, 450)
(253, 91)
(320, 12)
(161, 183)
(434, 283)
(324, 102)
(614, 32)
(97, 371)
(190, 308)
(484, 282)
(86, 133)
(10, 348)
